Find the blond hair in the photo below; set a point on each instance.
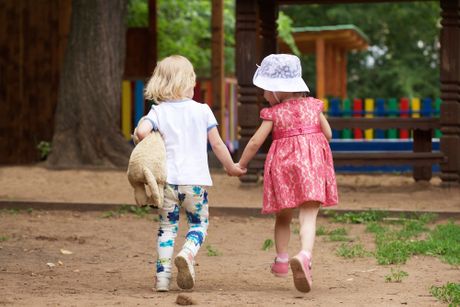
(172, 78)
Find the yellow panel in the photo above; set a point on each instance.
(369, 111)
(126, 128)
(415, 106)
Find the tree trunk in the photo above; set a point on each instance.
(87, 119)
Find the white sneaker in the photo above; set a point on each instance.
(186, 272)
(162, 283)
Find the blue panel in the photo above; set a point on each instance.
(377, 145)
(334, 110)
(426, 108)
(379, 112)
(138, 101)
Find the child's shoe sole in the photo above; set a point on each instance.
(184, 276)
(301, 282)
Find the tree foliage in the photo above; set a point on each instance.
(403, 58)
(184, 27)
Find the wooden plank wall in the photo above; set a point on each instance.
(33, 36)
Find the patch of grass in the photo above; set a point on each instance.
(212, 252)
(352, 251)
(360, 217)
(125, 209)
(396, 276)
(321, 231)
(375, 227)
(338, 238)
(448, 293)
(268, 243)
(10, 211)
(44, 149)
(338, 232)
(396, 246)
(4, 238)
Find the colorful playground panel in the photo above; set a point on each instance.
(134, 107)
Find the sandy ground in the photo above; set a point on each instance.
(387, 192)
(112, 264)
(112, 259)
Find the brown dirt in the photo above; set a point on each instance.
(112, 260)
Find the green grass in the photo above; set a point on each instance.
(212, 251)
(268, 243)
(335, 235)
(321, 231)
(3, 238)
(448, 293)
(352, 251)
(125, 209)
(359, 217)
(396, 276)
(397, 245)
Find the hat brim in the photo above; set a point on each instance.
(280, 85)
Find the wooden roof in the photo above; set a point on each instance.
(347, 37)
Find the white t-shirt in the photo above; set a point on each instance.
(184, 126)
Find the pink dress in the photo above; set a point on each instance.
(299, 165)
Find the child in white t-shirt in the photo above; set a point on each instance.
(186, 127)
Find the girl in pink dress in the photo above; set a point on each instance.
(299, 171)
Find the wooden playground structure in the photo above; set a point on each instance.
(256, 37)
(256, 30)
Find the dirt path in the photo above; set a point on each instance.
(387, 192)
(112, 264)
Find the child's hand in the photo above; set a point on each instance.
(236, 170)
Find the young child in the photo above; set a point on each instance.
(299, 170)
(186, 127)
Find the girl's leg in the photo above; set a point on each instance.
(167, 232)
(196, 207)
(195, 203)
(283, 231)
(307, 219)
(280, 267)
(301, 263)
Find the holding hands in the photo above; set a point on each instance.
(236, 170)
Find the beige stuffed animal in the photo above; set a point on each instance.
(147, 168)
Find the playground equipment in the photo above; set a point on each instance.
(133, 107)
(331, 45)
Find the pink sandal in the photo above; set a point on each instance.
(301, 271)
(280, 269)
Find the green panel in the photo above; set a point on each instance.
(393, 111)
(346, 110)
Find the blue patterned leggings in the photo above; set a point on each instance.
(194, 199)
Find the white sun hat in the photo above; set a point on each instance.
(280, 73)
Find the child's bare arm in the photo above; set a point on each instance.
(222, 153)
(255, 142)
(325, 127)
(143, 129)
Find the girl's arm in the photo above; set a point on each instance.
(325, 127)
(143, 129)
(222, 153)
(255, 142)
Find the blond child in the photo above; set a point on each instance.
(186, 127)
(299, 170)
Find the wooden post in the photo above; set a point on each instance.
(217, 64)
(422, 143)
(320, 69)
(450, 91)
(343, 74)
(246, 58)
(152, 52)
